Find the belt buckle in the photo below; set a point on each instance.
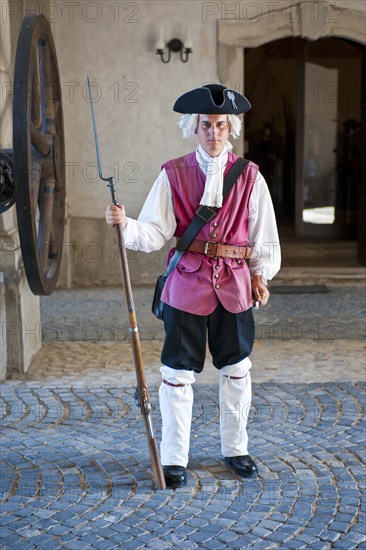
(207, 249)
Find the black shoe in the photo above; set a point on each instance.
(175, 476)
(244, 466)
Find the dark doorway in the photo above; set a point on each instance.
(304, 131)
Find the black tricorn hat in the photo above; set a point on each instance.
(212, 99)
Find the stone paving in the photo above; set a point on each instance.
(75, 469)
(337, 314)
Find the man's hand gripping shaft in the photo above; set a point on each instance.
(115, 214)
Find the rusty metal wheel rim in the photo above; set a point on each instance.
(39, 154)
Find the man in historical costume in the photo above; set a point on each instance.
(212, 290)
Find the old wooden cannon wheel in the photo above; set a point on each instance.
(39, 157)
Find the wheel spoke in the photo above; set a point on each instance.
(53, 251)
(49, 86)
(39, 141)
(46, 201)
(36, 97)
(36, 180)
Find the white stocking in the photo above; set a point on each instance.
(176, 401)
(235, 401)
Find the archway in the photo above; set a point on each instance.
(305, 132)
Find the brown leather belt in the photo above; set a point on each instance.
(215, 250)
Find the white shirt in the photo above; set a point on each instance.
(156, 224)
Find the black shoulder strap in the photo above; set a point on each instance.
(233, 175)
(205, 214)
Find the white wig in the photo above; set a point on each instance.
(189, 122)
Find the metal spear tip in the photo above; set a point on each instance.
(95, 134)
(89, 86)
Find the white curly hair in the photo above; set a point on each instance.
(189, 122)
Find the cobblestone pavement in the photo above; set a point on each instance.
(75, 469)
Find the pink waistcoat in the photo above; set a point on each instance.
(199, 282)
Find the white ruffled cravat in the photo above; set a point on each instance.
(214, 168)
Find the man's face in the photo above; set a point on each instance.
(213, 132)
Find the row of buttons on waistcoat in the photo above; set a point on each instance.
(217, 267)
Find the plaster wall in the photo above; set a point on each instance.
(134, 91)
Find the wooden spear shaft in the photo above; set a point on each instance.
(142, 390)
